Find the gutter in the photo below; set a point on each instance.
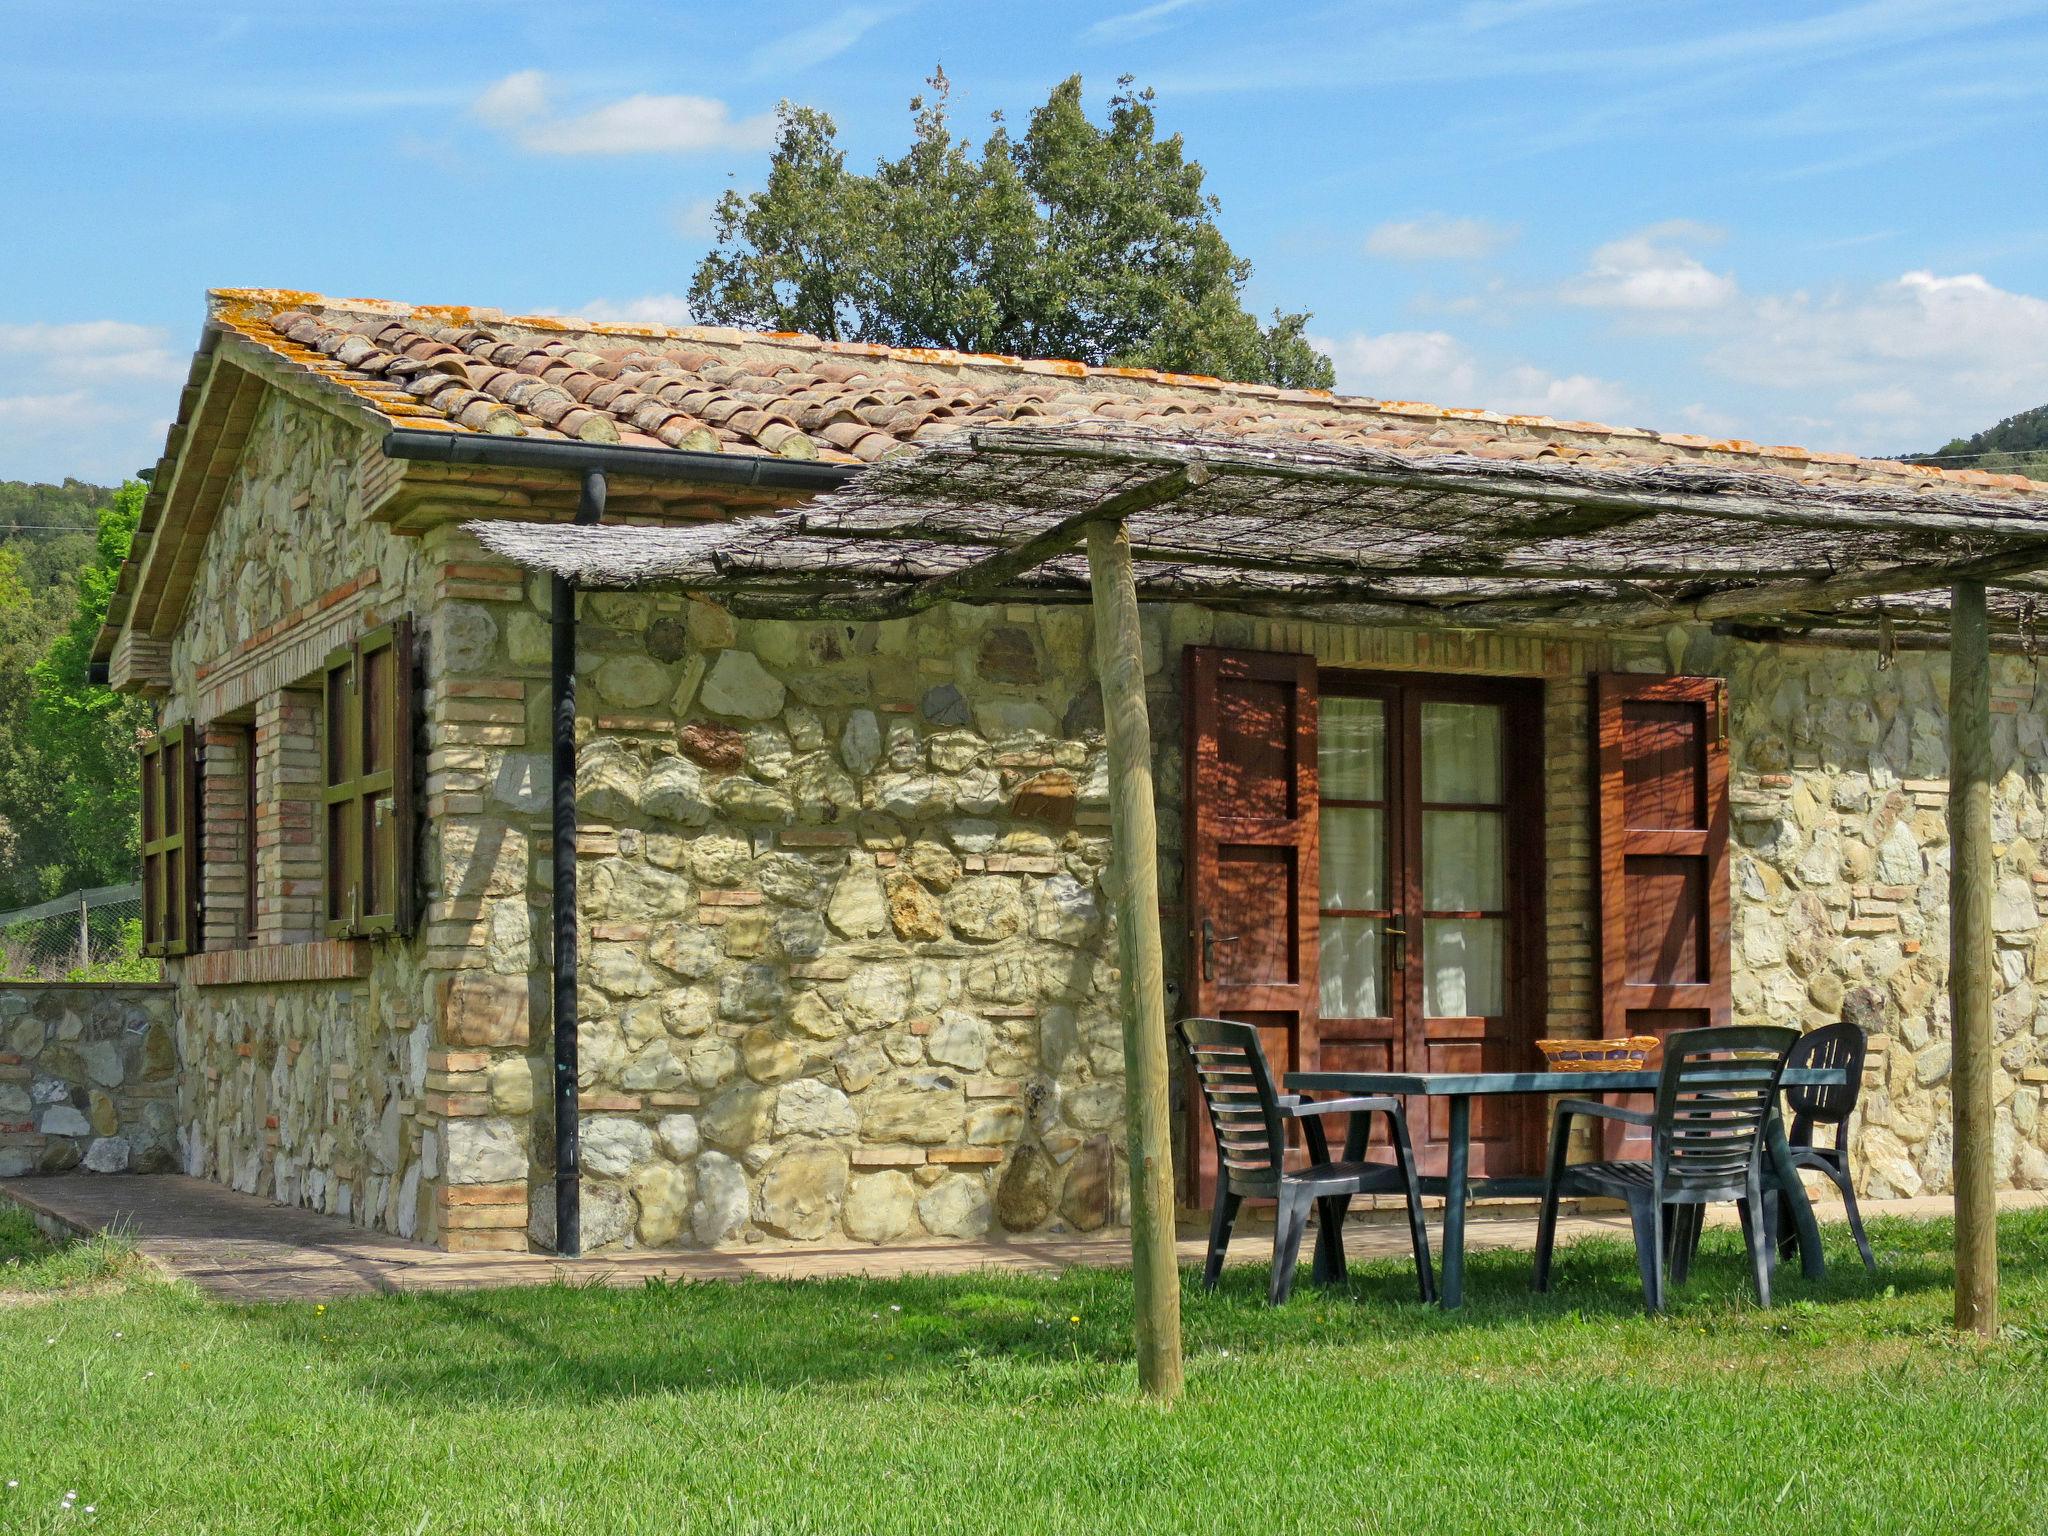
(593, 463)
(761, 472)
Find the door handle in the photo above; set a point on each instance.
(1210, 939)
(1397, 934)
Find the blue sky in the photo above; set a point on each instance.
(1817, 223)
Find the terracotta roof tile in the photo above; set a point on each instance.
(709, 389)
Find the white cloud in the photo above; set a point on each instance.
(86, 398)
(1437, 367)
(813, 45)
(91, 349)
(521, 106)
(1651, 270)
(697, 219)
(515, 101)
(1404, 365)
(1908, 362)
(1881, 367)
(42, 412)
(1707, 421)
(1438, 237)
(1143, 22)
(648, 309)
(1531, 391)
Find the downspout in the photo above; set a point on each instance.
(568, 1133)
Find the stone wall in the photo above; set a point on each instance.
(304, 1060)
(1839, 789)
(88, 1077)
(847, 969)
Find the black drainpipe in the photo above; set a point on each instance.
(593, 462)
(568, 1114)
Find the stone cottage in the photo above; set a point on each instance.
(848, 972)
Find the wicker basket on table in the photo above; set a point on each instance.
(1632, 1053)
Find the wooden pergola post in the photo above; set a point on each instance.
(1971, 877)
(1134, 828)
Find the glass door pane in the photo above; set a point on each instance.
(1464, 860)
(1354, 858)
(1351, 748)
(1351, 770)
(1461, 753)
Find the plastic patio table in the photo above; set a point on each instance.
(1457, 1187)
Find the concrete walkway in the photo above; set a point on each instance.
(243, 1248)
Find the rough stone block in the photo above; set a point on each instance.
(484, 1010)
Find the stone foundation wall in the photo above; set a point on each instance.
(88, 1077)
(307, 1093)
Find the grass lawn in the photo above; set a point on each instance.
(1006, 1404)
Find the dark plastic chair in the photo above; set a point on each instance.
(1714, 1098)
(1834, 1045)
(1250, 1118)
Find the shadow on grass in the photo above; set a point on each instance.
(995, 1337)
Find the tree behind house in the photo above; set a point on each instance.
(1095, 243)
(67, 758)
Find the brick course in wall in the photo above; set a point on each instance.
(289, 864)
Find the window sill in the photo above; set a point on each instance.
(270, 964)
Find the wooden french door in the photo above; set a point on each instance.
(1364, 877)
(1430, 883)
(1662, 832)
(1251, 863)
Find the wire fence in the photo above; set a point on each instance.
(92, 935)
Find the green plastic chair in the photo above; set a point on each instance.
(1250, 1118)
(1715, 1096)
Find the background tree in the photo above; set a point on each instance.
(67, 763)
(1084, 241)
(2017, 444)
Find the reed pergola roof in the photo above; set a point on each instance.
(1389, 536)
(1366, 534)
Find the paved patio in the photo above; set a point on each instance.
(243, 1248)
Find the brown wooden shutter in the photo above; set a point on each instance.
(149, 770)
(369, 722)
(384, 732)
(1662, 820)
(170, 843)
(1251, 860)
(341, 827)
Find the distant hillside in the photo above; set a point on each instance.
(2016, 443)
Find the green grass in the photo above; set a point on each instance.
(1007, 1404)
(32, 1266)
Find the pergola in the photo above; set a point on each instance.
(1367, 536)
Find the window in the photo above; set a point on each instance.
(170, 845)
(366, 784)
